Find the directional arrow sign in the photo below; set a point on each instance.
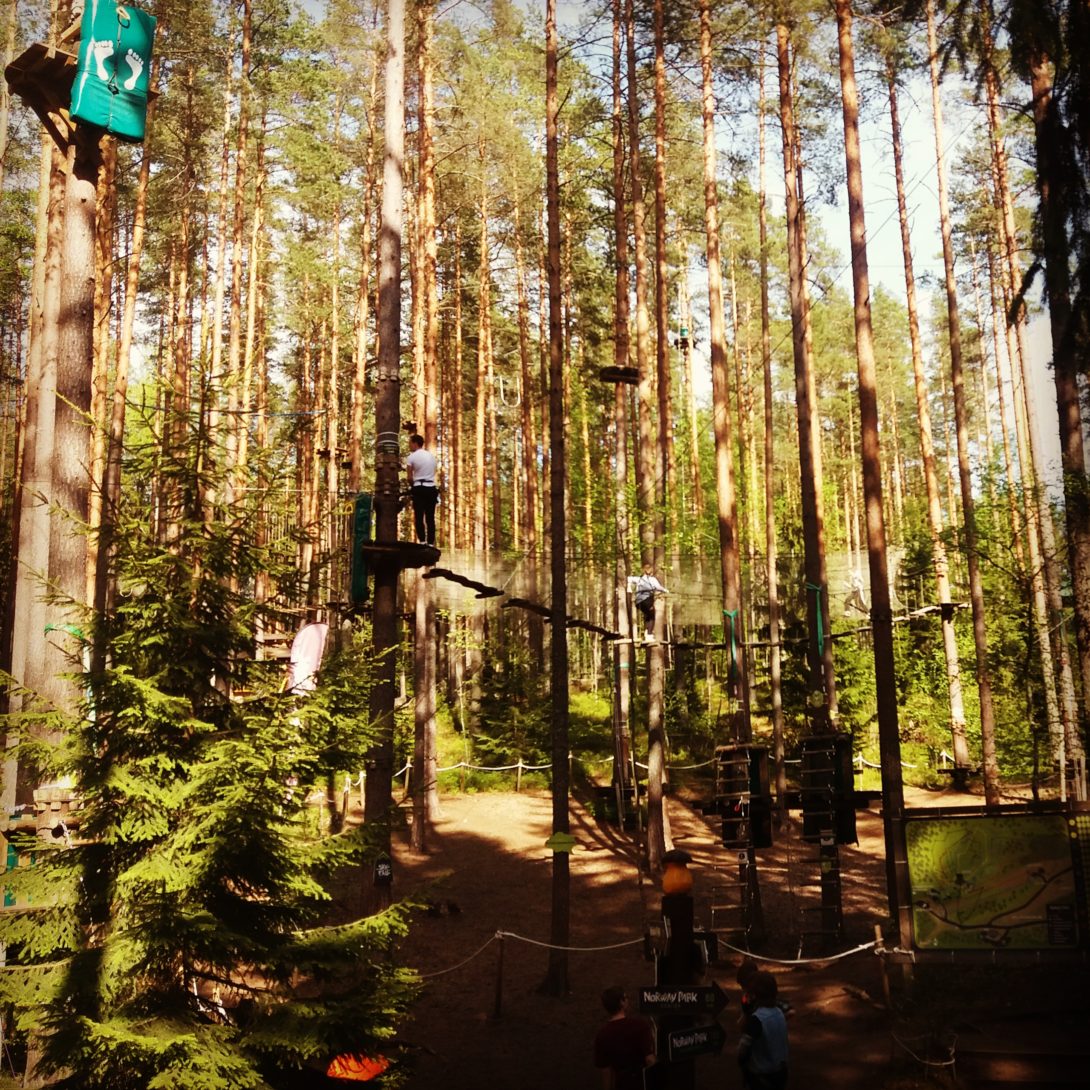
(677, 999)
(697, 1041)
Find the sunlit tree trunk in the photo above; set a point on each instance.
(363, 290)
(528, 424)
(494, 468)
(110, 487)
(649, 496)
(238, 223)
(5, 97)
(822, 695)
(427, 663)
(927, 454)
(556, 980)
(726, 499)
(106, 206)
(622, 693)
(543, 361)
(667, 469)
(459, 507)
(480, 511)
(697, 484)
(771, 551)
(253, 292)
(968, 502)
(1035, 571)
(31, 560)
(881, 615)
(215, 361)
(380, 758)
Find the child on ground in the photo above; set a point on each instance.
(762, 1048)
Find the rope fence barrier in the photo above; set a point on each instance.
(500, 935)
(521, 766)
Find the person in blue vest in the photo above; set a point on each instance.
(762, 1048)
(420, 467)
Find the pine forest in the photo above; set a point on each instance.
(739, 347)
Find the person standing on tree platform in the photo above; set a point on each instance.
(624, 1047)
(645, 587)
(420, 467)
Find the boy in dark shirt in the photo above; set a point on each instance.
(624, 1046)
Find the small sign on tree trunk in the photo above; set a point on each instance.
(384, 871)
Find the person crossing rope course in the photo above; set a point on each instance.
(420, 469)
(645, 589)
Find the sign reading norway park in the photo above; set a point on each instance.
(110, 89)
(700, 1040)
(695, 999)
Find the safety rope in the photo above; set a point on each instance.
(464, 961)
(533, 942)
(573, 949)
(801, 961)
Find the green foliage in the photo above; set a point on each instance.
(187, 937)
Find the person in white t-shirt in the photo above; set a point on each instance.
(645, 588)
(420, 467)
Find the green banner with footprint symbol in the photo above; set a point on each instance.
(111, 85)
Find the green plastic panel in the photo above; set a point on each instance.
(361, 534)
(110, 89)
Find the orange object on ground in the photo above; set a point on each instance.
(357, 1068)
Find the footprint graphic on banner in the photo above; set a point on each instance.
(102, 51)
(134, 61)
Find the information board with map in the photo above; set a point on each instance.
(1004, 881)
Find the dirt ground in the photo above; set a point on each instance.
(482, 1021)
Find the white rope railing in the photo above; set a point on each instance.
(521, 766)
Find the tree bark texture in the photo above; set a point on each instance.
(556, 980)
(968, 503)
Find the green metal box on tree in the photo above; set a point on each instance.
(110, 89)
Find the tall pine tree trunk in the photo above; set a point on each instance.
(968, 503)
(646, 476)
(234, 334)
(480, 511)
(822, 691)
(1053, 215)
(927, 455)
(1003, 289)
(106, 207)
(622, 693)
(775, 653)
(696, 505)
(727, 506)
(111, 478)
(528, 424)
(662, 297)
(556, 980)
(380, 758)
(363, 295)
(881, 615)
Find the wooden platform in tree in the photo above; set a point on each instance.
(42, 77)
(403, 554)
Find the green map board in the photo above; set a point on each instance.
(994, 882)
(110, 89)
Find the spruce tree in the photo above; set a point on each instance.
(178, 930)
